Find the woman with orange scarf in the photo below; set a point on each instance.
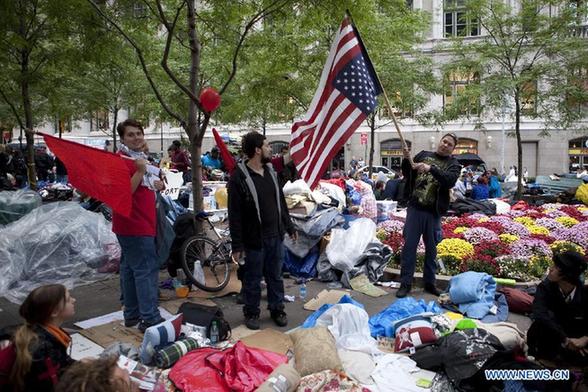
(40, 346)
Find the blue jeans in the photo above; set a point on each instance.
(139, 277)
(428, 225)
(266, 262)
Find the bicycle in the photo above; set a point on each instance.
(206, 261)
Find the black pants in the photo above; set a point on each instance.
(266, 262)
(542, 346)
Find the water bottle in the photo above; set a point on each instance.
(199, 272)
(214, 332)
(303, 291)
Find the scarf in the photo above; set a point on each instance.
(150, 176)
(58, 334)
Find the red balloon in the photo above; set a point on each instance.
(210, 99)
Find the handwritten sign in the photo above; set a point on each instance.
(174, 181)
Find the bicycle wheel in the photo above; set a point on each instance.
(206, 263)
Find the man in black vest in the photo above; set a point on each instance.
(428, 181)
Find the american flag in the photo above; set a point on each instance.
(346, 95)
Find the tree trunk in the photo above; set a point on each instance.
(28, 112)
(194, 129)
(519, 193)
(114, 124)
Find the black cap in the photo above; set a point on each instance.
(571, 264)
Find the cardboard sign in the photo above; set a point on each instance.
(324, 297)
(270, 340)
(173, 183)
(114, 332)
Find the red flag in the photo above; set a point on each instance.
(100, 174)
(226, 156)
(346, 94)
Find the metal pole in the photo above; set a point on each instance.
(502, 168)
(161, 128)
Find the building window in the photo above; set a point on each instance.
(458, 21)
(466, 146)
(140, 10)
(391, 153)
(101, 121)
(578, 153)
(577, 97)
(529, 98)
(63, 125)
(456, 84)
(277, 146)
(400, 108)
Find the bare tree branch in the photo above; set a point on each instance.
(13, 108)
(170, 35)
(273, 7)
(141, 60)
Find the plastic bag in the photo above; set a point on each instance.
(15, 205)
(303, 267)
(55, 243)
(347, 246)
(191, 373)
(311, 320)
(298, 187)
(245, 368)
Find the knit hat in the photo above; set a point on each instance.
(571, 264)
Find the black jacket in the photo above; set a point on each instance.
(447, 177)
(567, 320)
(244, 214)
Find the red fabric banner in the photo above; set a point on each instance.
(226, 155)
(99, 174)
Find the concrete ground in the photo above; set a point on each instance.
(102, 297)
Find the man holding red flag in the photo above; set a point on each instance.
(139, 267)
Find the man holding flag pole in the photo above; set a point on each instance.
(346, 95)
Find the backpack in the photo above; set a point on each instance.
(518, 300)
(204, 316)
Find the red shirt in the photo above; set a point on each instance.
(142, 220)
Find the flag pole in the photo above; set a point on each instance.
(386, 100)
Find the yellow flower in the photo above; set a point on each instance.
(485, 219)
(538, 230)
(455, 247)
(562, 246)
(583, 208)
(567, 221)
(460, 229)
(525, 220)
(508, 238)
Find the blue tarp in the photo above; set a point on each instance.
(302, 267)
(382, 324)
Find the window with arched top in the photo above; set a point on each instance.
(391, 153)
(277, 146)
(466, 146)
(578, 153)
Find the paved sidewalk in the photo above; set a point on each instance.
(102, 297)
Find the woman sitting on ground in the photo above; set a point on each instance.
(98, 375)
(560, 313)
(40, 345)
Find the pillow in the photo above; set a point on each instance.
(283, 379)
(314, 350)
(158, 336)
(413, 332)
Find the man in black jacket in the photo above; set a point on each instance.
(258, 219)
(560, 312)
(428, 181)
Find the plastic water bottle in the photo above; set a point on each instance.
(303, 291)
(198, 272)
(214, 332)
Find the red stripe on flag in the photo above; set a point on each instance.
(99, 174)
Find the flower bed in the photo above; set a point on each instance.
(518, 245)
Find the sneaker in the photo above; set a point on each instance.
(252, 322)
(431, 289)
(130, 323)
(280, 318)
(403, 290)
(144, 324)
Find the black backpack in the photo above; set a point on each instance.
(204, 316)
